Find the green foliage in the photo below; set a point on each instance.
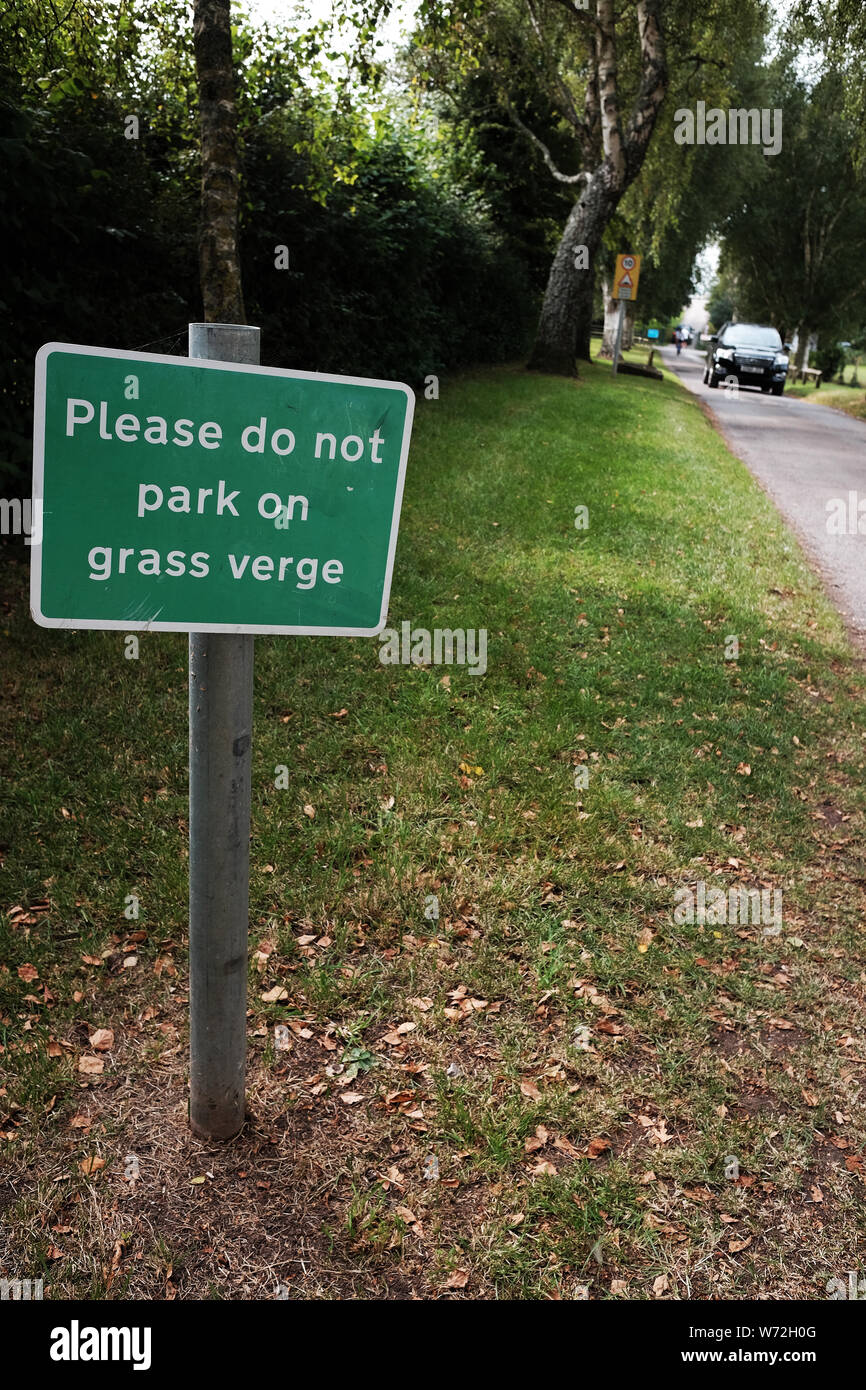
(722, 302)
(396, 264)
(835, 33)
(101, 243)
(828, 358)
(796, 236)
(397, 273)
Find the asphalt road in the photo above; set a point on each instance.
(805, 455)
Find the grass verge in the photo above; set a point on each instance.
(848, 398)
(503, 1067)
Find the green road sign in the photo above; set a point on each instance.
(186, 495)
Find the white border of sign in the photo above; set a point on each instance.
(154, 625)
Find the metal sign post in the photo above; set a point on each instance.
(220, 793)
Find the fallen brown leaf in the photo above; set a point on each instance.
(597, 1147)
(275, 995)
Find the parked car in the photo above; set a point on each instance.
(752, 353)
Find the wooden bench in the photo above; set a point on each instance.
(810, 374)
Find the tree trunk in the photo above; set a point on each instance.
(583, 331)
(628, 324)
(611, 315)
(611, 318)
(566, 313)
(802, 354)
(219, 263)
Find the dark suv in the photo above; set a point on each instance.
(751, 353)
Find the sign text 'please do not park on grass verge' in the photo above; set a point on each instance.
(187, 495)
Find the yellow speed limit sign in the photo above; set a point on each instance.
(626, 276)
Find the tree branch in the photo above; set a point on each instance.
(568, 106)
(583, 177)
(608, 91)
(576, 12)
(653, 85)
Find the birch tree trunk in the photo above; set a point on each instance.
(566, 314)
(802, 353)
(628, 324)
(219, 263)
(611, 314)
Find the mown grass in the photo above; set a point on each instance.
(847, 396)
(598, 1063)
